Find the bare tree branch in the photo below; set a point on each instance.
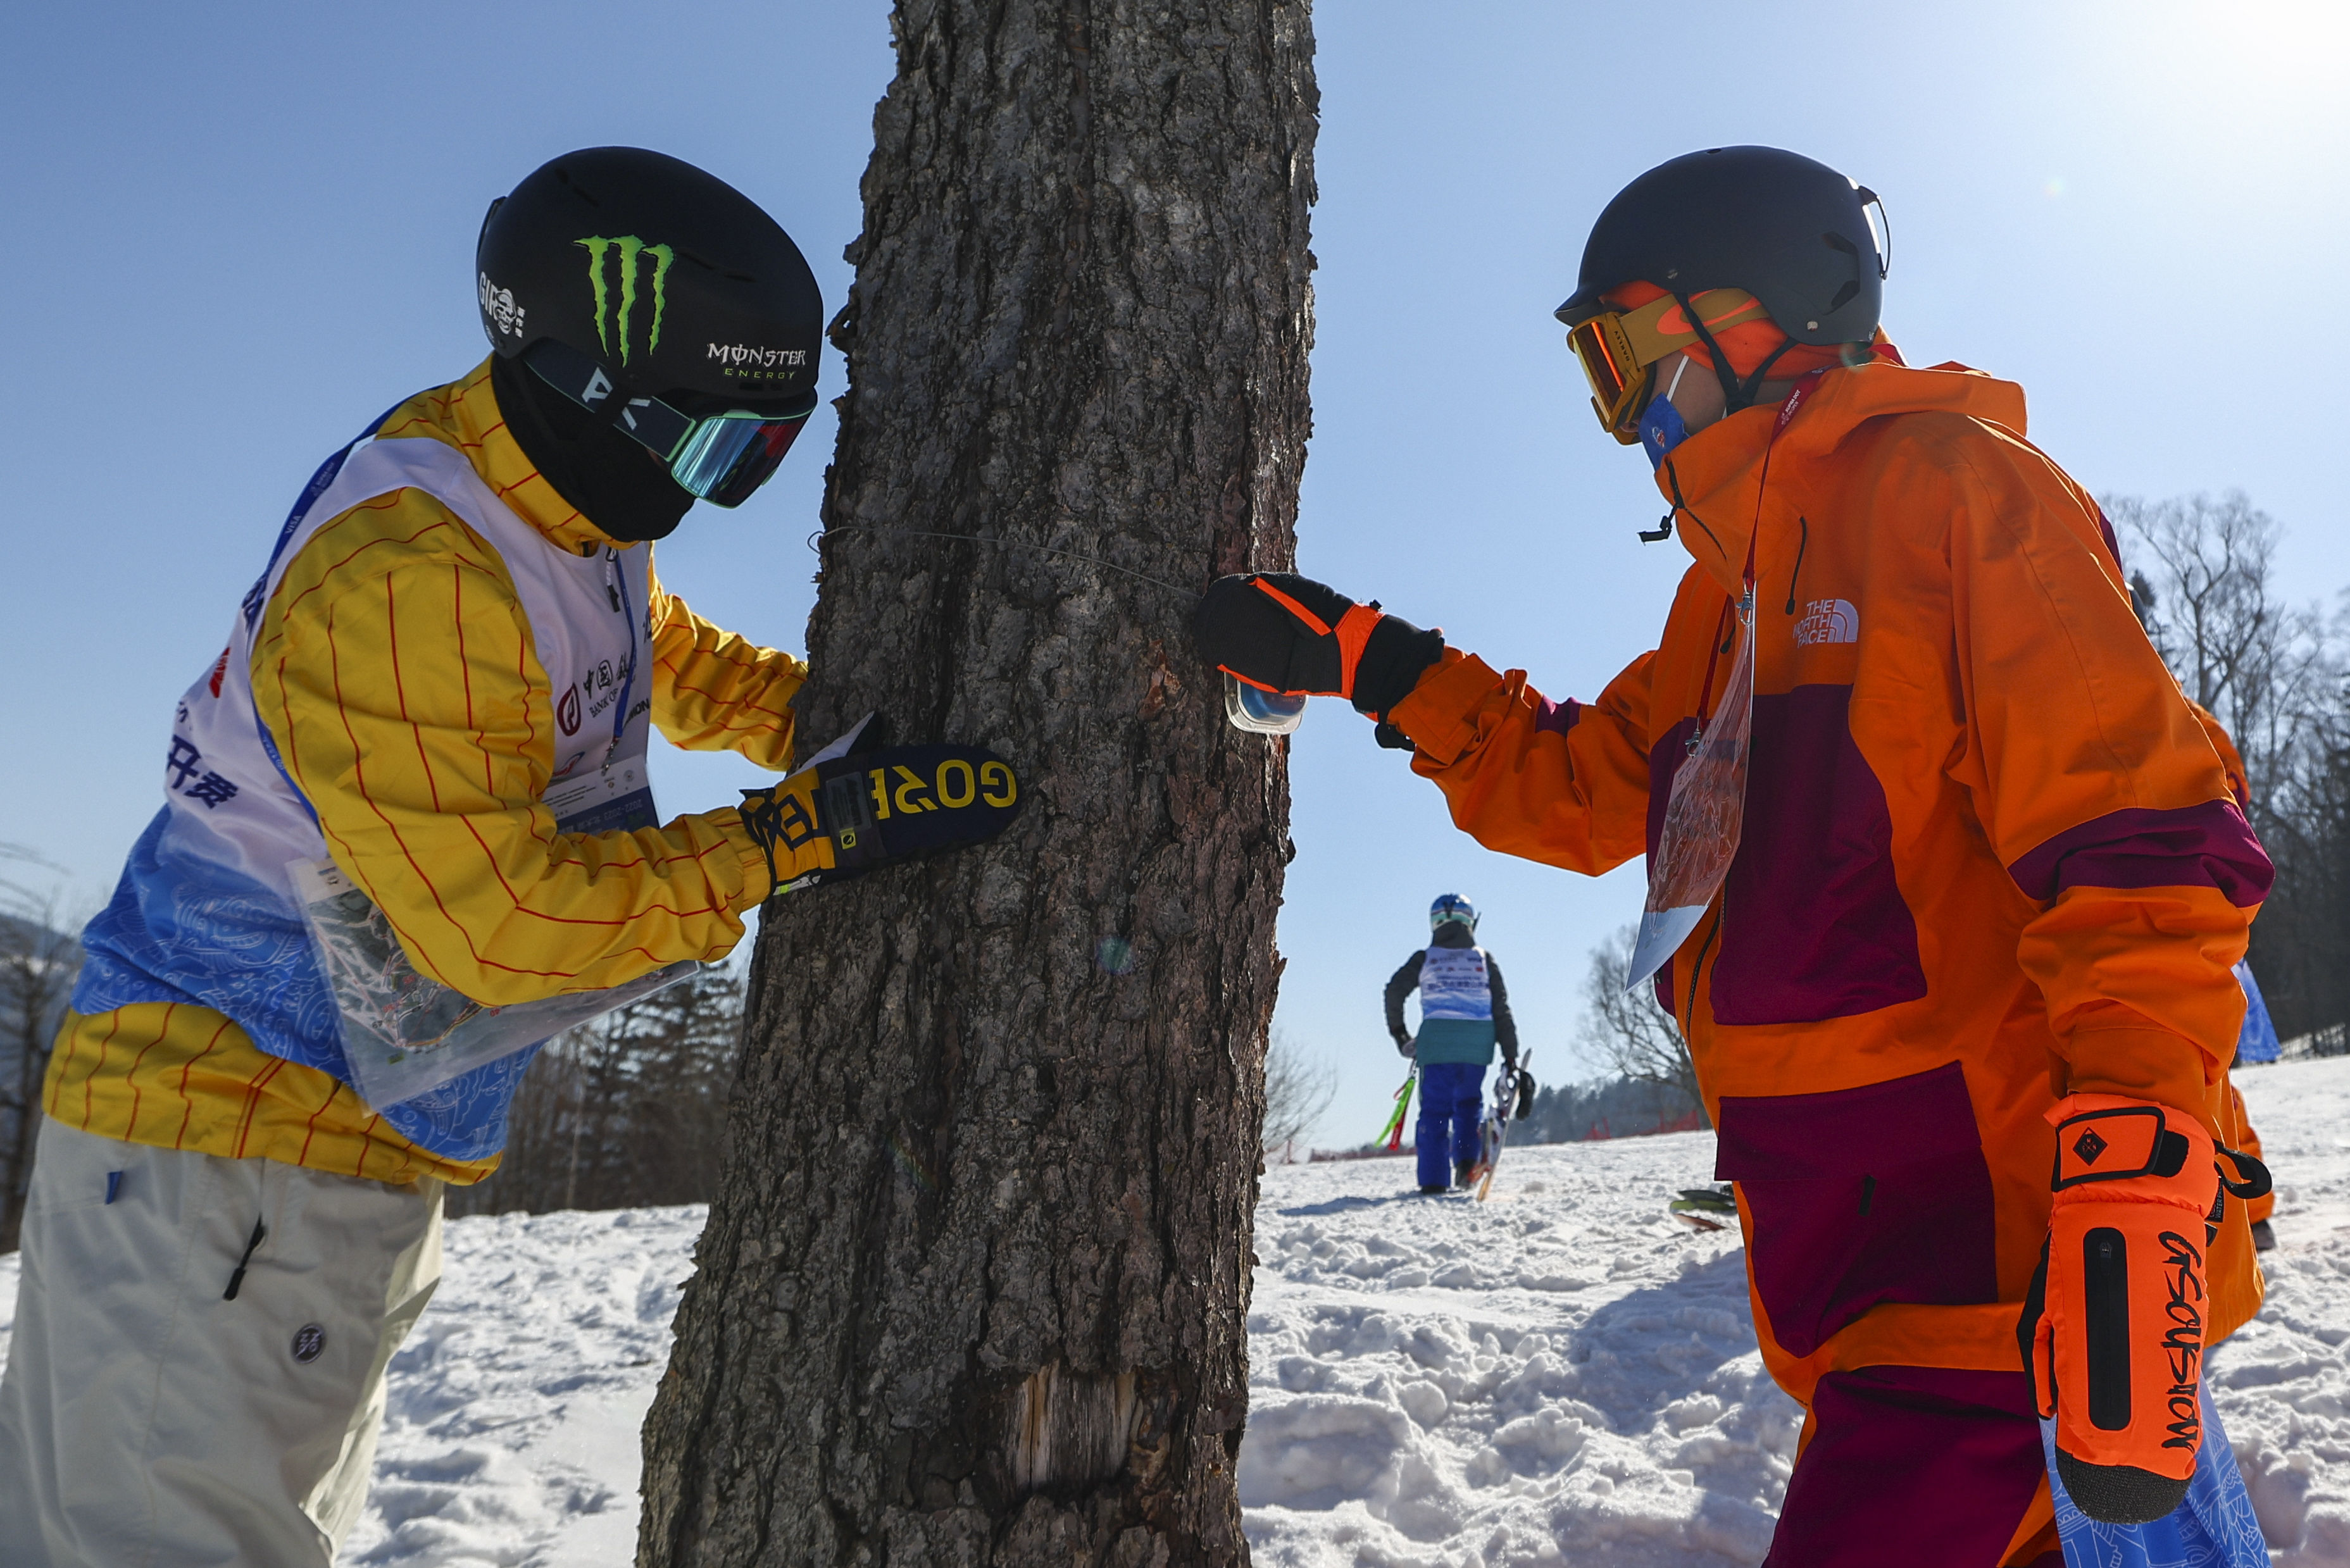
(1627, 1034)
(2206, 592)
(1297, 1090)
(39, 960)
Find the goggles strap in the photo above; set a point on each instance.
(1731, 400)
(1736, 394)
(649, 423)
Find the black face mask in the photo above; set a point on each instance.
(1453, 934)
(617, 484)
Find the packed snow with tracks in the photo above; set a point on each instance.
(1562, 1375)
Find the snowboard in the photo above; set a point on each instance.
(1705, 1207)
(1513, 1093)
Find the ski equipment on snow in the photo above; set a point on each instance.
(1510, 1091)
(1392, 1134)
(1706, 1208)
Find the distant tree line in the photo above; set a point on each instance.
(38, 964)
(625, 1111)
(2277, 677)
(1607, 1107)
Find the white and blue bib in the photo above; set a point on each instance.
(1453, 985)
(206, 912)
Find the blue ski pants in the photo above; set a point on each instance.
(1452, 1099)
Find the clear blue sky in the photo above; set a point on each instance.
(238, 232)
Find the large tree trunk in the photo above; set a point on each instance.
(975, 1291)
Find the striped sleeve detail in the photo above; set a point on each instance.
(2205, 846)
(397, 672)
(715, 690)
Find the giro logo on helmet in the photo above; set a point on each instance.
(498, 305)
(630, 252)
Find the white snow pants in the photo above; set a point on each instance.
(146, 1421)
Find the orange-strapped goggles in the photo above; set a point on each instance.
(1619, 348)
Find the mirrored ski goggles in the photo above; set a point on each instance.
(722, 458)
(1618, 350)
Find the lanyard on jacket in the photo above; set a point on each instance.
(617, 581)
(1743, 607)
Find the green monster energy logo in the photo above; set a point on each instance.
(630, 248)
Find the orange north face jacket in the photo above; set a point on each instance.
(1989, 856)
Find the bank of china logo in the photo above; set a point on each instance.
(1828, 621)
(629, 254)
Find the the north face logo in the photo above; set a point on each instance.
(2089, 1146)
(1828, 621)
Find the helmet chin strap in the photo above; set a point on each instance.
(1736, 394)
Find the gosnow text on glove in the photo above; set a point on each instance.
(848, 816)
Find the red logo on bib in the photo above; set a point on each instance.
(567, 711)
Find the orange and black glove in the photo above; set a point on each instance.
(855, 814)
(1284, 633)
(2111, 1331)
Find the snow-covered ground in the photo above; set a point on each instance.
(1563, 1374)
(1567, 1374)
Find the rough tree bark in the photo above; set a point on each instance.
(975, 1291)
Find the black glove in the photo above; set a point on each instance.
(1290, 634)
(1403, 1043)
(845, 818)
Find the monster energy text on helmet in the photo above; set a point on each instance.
(1451, 907)
(1792, 232)
(676, 284)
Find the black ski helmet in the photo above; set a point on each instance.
(1792, 232)
(670, 278)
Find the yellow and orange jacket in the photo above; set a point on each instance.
(1989, 856)
(425, 768)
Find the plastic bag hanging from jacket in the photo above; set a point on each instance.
(1703, 815)
(405, 1034)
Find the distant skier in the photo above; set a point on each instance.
(1464, 1012)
